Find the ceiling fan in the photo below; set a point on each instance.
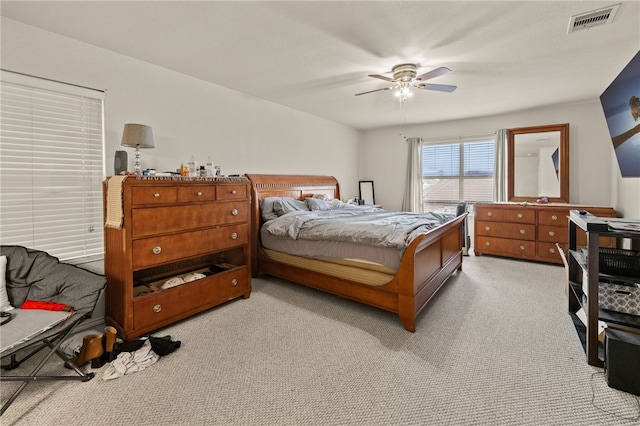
(405, 77)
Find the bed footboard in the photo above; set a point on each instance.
(427, 263)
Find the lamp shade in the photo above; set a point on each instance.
(137, 136)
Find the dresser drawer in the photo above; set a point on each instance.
(158, 250)
(506, 230)
(517, 248)
(489, 214)
(150, 195)
(164, 220)
(520, 216)
(550, 251)
(554, 218)
(196, 193)
(553, 234)
(163, 305)
(231, 192)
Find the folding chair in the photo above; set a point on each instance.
(35, 275)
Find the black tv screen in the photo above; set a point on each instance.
(621, 105)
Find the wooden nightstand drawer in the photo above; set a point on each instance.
(149, 310)
(231, 192)
(165, 220)
(149, 195)
(196, 193)
(158, 250)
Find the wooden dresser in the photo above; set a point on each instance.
(528, 231)
(173, 228)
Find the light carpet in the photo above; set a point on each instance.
(494, 347)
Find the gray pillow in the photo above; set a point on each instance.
(316, 204)
(266, 207)
(287, 205)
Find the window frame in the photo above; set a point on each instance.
(460, 177)
(52, 165)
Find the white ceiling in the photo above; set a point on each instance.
(314, 56)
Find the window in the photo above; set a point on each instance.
(455, 172)
(51, 167)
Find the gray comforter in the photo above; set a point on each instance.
(380, 228)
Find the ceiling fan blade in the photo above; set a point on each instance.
(377, 90)
(381, 77)
(439, 87)
(433, 73)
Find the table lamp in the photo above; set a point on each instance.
(137, 136)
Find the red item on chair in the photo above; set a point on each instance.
(48, 306)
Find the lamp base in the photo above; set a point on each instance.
(137, 163)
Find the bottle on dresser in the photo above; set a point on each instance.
(193, 167)
(209, 167)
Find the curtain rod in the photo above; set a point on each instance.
(459, 138)
(52, 80)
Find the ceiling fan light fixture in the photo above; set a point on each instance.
(405, 77)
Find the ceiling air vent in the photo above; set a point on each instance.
(590, 19)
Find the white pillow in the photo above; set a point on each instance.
(5, 305)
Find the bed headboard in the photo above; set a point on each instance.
(295, 186)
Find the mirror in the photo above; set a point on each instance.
(366, 193)
(538, 163)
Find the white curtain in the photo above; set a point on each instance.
(412, 201)
(500, 171)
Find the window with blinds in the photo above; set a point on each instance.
(51, 167)
(455, 172)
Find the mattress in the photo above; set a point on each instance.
(385, 257)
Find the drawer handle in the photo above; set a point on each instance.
(489, 214)
(199, 194)
(522, 247)
(554, 217)
(157, 195)
(522, 231)
(234, 282)
(234, 212)
(519, 215)
(157, 308)
(234, 236)
(551, 233)
(157, 250)
(233, 192)
(487, 243)
(487, 228)
(552, 250)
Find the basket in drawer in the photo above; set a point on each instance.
(619, 262)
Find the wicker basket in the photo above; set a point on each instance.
(619, 262)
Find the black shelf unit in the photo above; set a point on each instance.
(590, 263)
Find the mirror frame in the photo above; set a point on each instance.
(564, 160)
(366, 188)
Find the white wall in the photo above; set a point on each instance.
(243, 134)
(592, 179)
(246, 134)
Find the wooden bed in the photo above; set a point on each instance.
(427, 263)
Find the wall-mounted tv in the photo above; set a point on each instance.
(621, 105)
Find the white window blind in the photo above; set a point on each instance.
(51, 167)
(456, 172)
